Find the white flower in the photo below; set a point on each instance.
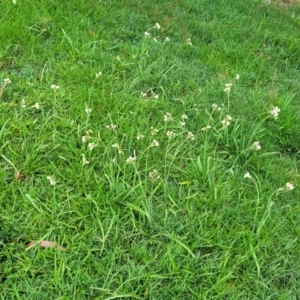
(154, 143)
(189, 42)
(155, 40)
(98, 74)
(155, 96)
(89, 132)
(51, 180)
(168, 39)
(226, 121)
(206, 128)
(215, 106)
(154, 131)
(144, 95)
(237, 77)
(289, 186)
(167, 117)
(184, 117)
(88, 110)
(54, 87)
(170, 133)
(247, 175)
(6, 81)
(139, 136)
(91, 146)
(131, 159)
(36, 105)
(182, 123)
(23, 103)
(275, 111)
(85, 138)
(154, 175)
(147, 34)
(227, 87)
(157, 26)
(255, 146)
(111, 126)
(190, 136)
(118, 58)
(84, 160)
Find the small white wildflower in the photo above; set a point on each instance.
(155, 96)
(227, 87)
(51, 180)
(23, 103)
(182, 123)
(228, 118)
(168, 39)
(89, 132)
(289, 186)
(111, 126)
(275, 111)
(6, 81)
(206, 128)
(190, 136)
(247, 175)
(116, 145)
(167, 117)
(91, 146)
(118, 58)
(215, 106)
(156, 26)
(88, 110)
(98, 74)
(154, 143)
(237, 77)
(154, 131)
(36, 105)
(84, 160)
(131, 159)
(54, 87)
(155, 40)
(170, 133)
(154, 175)
(85, 138)
(225, 123)
(184, 117)
(147, 34)
(189, 42)
(139, 136)
(144, 95)
(256, 146)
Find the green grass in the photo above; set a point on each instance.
(176, 220)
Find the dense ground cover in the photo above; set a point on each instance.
(156, 143)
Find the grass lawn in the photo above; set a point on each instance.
(149, 149)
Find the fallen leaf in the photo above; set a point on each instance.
(92, 33)
(46, 244)
(17, 175)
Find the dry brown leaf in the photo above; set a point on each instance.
(46, 244)
(17, 175)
